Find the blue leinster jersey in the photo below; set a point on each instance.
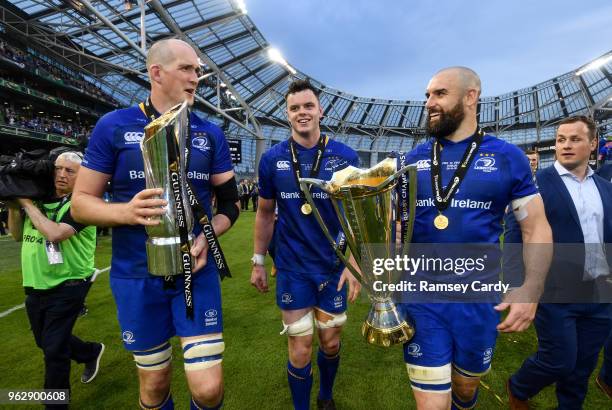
(300, 244)
(499, 173)
(114, 149)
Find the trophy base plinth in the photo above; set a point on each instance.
(164, 256)
(386, 326)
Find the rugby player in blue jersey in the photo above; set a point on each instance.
(310, 278)
(150, 313)
(454, 342)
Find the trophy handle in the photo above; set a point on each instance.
(395, 176)
(305, 184)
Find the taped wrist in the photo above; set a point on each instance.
(227, 196)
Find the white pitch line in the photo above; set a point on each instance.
(98, 272)
(14, 308)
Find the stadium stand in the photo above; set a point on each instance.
(244, 84)
(42, 102)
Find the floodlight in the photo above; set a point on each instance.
(241, 6)
(275, 55)
(290, 69)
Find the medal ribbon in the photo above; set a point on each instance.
(198, 210)
(316, 166)
(442, 198)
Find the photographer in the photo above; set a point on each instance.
(57, 261)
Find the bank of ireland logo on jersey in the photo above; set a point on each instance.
(210, 317)
(128, 337)
(283, 165)
(338, 301)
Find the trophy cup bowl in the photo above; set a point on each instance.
(366, 204)
(164, 242)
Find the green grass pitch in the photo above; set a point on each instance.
(254, 361)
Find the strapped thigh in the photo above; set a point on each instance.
(203, 352)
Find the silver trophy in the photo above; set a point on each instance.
(367, 205)
(166, 135)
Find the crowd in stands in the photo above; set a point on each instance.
(42, 123)
(74, 80)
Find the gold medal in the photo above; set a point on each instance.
(441, 222)
(306, 209)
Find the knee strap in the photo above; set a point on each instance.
(326, 320)
(430, 379)
(154, 359)
(203, 352)
(301, 327)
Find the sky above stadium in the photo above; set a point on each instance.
(390, 48)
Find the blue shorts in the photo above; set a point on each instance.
(149, 315)
(457, 335)
(301, 290)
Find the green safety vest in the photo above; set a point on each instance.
(77, 252)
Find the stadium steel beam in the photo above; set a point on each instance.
(277, 105)
(349, 110)
(403, 116)
(366, 112)
(116, 67)
(120, 17)
(536, 109)
(515, 100)
(190, 29)
(250, 73)
(585, 91)
(253, 72)
(331, 104)
(50, 11)
(266, 88)
(240, 58)
(129, 22)
(111, 26)
(248, 115)
(560, 97)
(383, 119)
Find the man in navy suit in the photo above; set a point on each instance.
(605, 171)
(571, 331)
(604, 379)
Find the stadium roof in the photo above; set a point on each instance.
(102, 38)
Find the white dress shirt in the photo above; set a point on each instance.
(589, 207)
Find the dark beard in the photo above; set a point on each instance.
(448, 122)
